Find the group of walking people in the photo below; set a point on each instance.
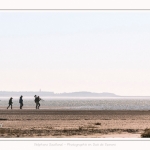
(37, 102)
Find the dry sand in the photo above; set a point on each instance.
(73, 123)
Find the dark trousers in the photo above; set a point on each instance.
(21, 105)
(9, 106)
(37, 105)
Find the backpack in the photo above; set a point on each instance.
(36, 100)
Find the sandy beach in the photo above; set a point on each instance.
(73, 123)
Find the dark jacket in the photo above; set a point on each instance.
(10, 101)
(21, 100)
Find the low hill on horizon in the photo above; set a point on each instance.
(44, 93)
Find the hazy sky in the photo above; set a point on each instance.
(75, 51)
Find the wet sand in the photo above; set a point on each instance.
(73, 123)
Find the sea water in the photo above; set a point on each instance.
(82, 103)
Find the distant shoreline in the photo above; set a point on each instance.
(56, 96)
(52, 94)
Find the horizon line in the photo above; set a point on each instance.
(115, 95)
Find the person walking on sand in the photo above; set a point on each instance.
(10, 103)
(36, 101)
(21, 102)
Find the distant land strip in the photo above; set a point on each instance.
(45, 93)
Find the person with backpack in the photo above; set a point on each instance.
(10, 103)
(21, 102)
(38, 102)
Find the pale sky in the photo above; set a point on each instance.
(75, 51)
